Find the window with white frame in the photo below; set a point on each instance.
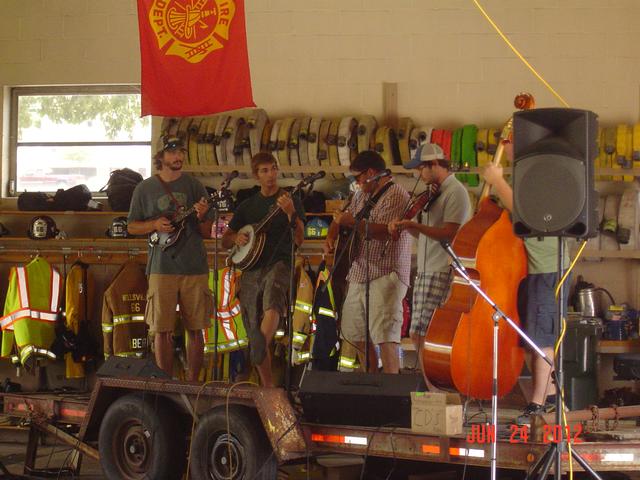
(63, 136)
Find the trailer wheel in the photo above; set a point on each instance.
(140, 439)
(243, 453)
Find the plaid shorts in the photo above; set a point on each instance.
(430, 291)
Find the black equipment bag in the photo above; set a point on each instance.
(120, 188)
(35, 201)
(75, 199)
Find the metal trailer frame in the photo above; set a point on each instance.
(290, 438)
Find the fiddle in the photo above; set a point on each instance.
(421, 202)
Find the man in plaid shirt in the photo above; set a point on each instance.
(388, 273)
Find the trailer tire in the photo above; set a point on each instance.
(251, 453)
(140, 439)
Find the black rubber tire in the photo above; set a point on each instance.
(253, 458)
(140, 439)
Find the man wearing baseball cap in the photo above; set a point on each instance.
(439, 220)
(177, 275)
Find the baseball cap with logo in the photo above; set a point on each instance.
(427, 152)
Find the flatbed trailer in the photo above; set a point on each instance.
(156, 428)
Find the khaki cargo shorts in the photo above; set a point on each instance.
(385, 310)
(190, 292)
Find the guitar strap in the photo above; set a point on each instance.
(164, 184)
(372, 202)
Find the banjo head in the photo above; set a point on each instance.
(239, 254)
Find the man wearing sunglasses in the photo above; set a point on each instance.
(388, 270)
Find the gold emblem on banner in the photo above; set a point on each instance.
(192, 29)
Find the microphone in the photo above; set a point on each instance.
(385, 173)
(312, 178)
(447, 246)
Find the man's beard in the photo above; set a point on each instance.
(174, 167)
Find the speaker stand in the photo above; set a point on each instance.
(555, 451)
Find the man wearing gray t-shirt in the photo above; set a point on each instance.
(439, 220)
(178, 274)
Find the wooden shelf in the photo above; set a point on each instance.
(619, 346)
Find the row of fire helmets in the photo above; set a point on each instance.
(43, 227)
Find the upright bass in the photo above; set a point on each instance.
(458, 346)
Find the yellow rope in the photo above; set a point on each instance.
(518, 54)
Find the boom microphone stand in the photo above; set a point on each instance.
(545, 461)
(498, 314)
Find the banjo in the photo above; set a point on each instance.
(245, 256)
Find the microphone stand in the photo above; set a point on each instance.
(292, 299)
(221, 196)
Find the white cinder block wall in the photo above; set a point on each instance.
(330, 57)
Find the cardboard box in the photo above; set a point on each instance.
(436, 413)
(331, 206)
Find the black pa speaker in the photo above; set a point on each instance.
(553, 180)
(130, 367)
(364, 399)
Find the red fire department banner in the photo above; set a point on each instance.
(194, 57)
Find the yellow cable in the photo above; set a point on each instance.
(519, 55)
